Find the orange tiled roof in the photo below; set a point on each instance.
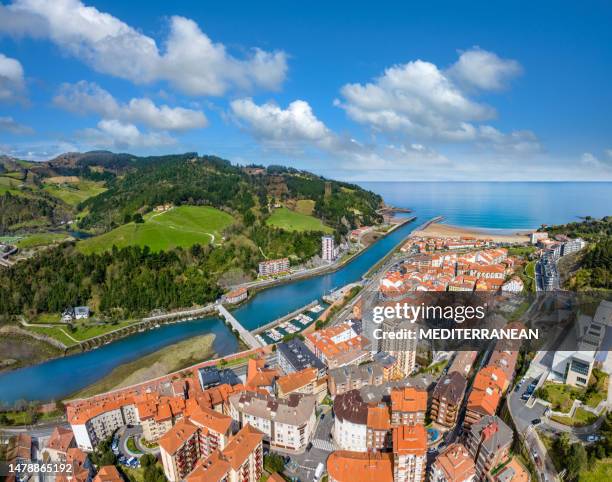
(108, 473)
(296, 380)
(242, 445)
(176, 437)
(408, 399)
(410, 440)
(60, 439)
(379, 418)
(211, 419)
(345, 466)
(212, 469)
(456, 463)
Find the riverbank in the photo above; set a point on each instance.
(449, 231)
(157, 364)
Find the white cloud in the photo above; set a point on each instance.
(419, 100)
(590, 160)
(88, 97)
(296, 127)
(609, 153)
(190, 60)
(12, 84)
(118, 135)
(271, 123)
(484, 70)
(8, 124)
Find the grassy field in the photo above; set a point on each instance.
(601, 470)
(182, 226)
(305, 206)
(55, 332)
(73, 192)
(167, 360)
(294, 221)
(9, 184)
(41, 239)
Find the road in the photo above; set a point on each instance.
(303, 466)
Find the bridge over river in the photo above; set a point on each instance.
(246, 335)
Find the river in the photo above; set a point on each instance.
(60, 377)
(494, 205)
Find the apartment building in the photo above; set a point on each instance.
(352, 377)
(489, 384)
(453, 464)
(287, 424)
(97, 420)
(158, 414)
(409, 453)
(462, 362)
(306, 382)
(408, 406)
(294, 356)
(240, 461)
(488, 442)
(447, 398)
(339, 345)
(347, 466)
(328, 248)
(273, 266)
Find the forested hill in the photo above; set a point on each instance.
(138, 184)
(594, 264)
(165, 232)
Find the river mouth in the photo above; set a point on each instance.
(58, 378)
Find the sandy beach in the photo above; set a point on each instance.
(449, 231)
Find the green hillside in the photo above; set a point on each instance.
(294, 221)
(73, 193)
(181, 226)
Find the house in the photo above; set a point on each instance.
(58, 444)
(236, 296)
(108, 473)
(488, 442)
(346, 466)
(454, 464)
(447, 398)
(81, 312)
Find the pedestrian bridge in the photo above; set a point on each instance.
(246, 335)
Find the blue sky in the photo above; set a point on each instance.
(353, 90)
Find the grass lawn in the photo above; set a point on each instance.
(74, 193)
(182, 226)
(85, 331)
(294, 221)
(134, 474)
(601, 470)
(580, 419)
(54, 332)
(305, 206)
(521, 250)
(9, 184)
(41, 239)
(561, 396)
(131, 445)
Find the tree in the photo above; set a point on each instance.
(138, 218)
(274, 462)
(576, 460)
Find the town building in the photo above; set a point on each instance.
(108, 473)
(295, 356)
(408, 406)
(240, 461)
(236, 296)
(347, 466)
(513, 285)
(536, 237)
(192, 439)
(273, 267)
(61, 440)
(351, 377)
(339, 345)
(81, 312)
(307, 382)
(82, 468)
(447, 398)
(488, 386)
(453, 464)
(328, 248)
(287, 424)
(409, 453)
(488, 442)
(97, 421)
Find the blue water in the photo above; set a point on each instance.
(490, 205)
(497, 205)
